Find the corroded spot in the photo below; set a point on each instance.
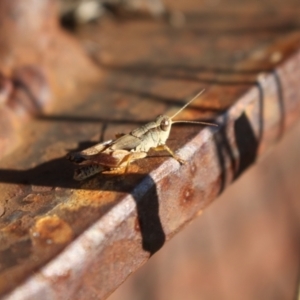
(193, 168)
(51, 229)
(187, 195)
(137, 226)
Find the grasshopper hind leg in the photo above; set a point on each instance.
(87, 171)
(131, 157)
(90, 170)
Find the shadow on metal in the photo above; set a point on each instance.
(246, 141)
(46, 174)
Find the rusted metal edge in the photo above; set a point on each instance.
(103, 256)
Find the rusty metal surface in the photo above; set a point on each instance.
(61, 239)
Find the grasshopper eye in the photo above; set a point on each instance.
(164, 124)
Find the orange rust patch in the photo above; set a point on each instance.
(51, 229)
(82, 198)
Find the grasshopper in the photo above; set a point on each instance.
(126, 148)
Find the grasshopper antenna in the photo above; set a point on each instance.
(197, 122)
(191, 122)
(184, 106)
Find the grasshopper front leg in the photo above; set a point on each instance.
(165, 147)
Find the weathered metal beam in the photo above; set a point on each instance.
(62, 239)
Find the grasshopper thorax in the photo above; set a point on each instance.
(160, 133)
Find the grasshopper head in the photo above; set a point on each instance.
(163, 124)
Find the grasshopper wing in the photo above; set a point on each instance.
(83, 156)
(126, 142)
